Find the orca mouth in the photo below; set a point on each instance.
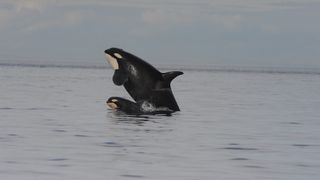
(113, 61)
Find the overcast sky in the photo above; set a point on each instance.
(205, 32)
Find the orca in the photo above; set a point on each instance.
(142, 81)
(132, 108)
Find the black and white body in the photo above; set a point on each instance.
(142, 81)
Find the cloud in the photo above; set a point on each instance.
(31, 5)
(14, 13)
(230, 14)
(162, 17)
(214, 26)
(5, 17)
(34, 15)
(65, 19)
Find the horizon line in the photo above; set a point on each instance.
(211, 68)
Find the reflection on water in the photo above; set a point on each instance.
(118, 116)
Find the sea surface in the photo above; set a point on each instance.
(241, 125)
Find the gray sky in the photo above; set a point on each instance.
(204, 32)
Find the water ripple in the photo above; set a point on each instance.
(58, 159)
(132, 176)
(241, 148)
(239, 159)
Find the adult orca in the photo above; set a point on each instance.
(132, 108)
(141, 80)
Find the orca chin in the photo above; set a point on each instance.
(143, 82)
(113, 61)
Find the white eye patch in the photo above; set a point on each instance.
(117, 55)
(114, 100)
(113, 61)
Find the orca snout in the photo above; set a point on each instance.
(113, 50)
(112, 103)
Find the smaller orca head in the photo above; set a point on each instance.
(113, 103)
(124, 105)
(113, 55)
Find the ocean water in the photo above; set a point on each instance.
(54, 124)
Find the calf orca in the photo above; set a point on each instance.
(132, 108)
(142, 81)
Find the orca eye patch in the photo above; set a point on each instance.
(117, 55)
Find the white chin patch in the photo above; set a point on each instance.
(112, 105)
(113, 61)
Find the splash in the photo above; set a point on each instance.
(148, 107)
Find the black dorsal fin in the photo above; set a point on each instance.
(169, 76)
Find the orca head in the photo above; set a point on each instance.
(113, 56)
(113, 103)
(117, 59)
(124, 105)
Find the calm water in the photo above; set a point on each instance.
(54, 124)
